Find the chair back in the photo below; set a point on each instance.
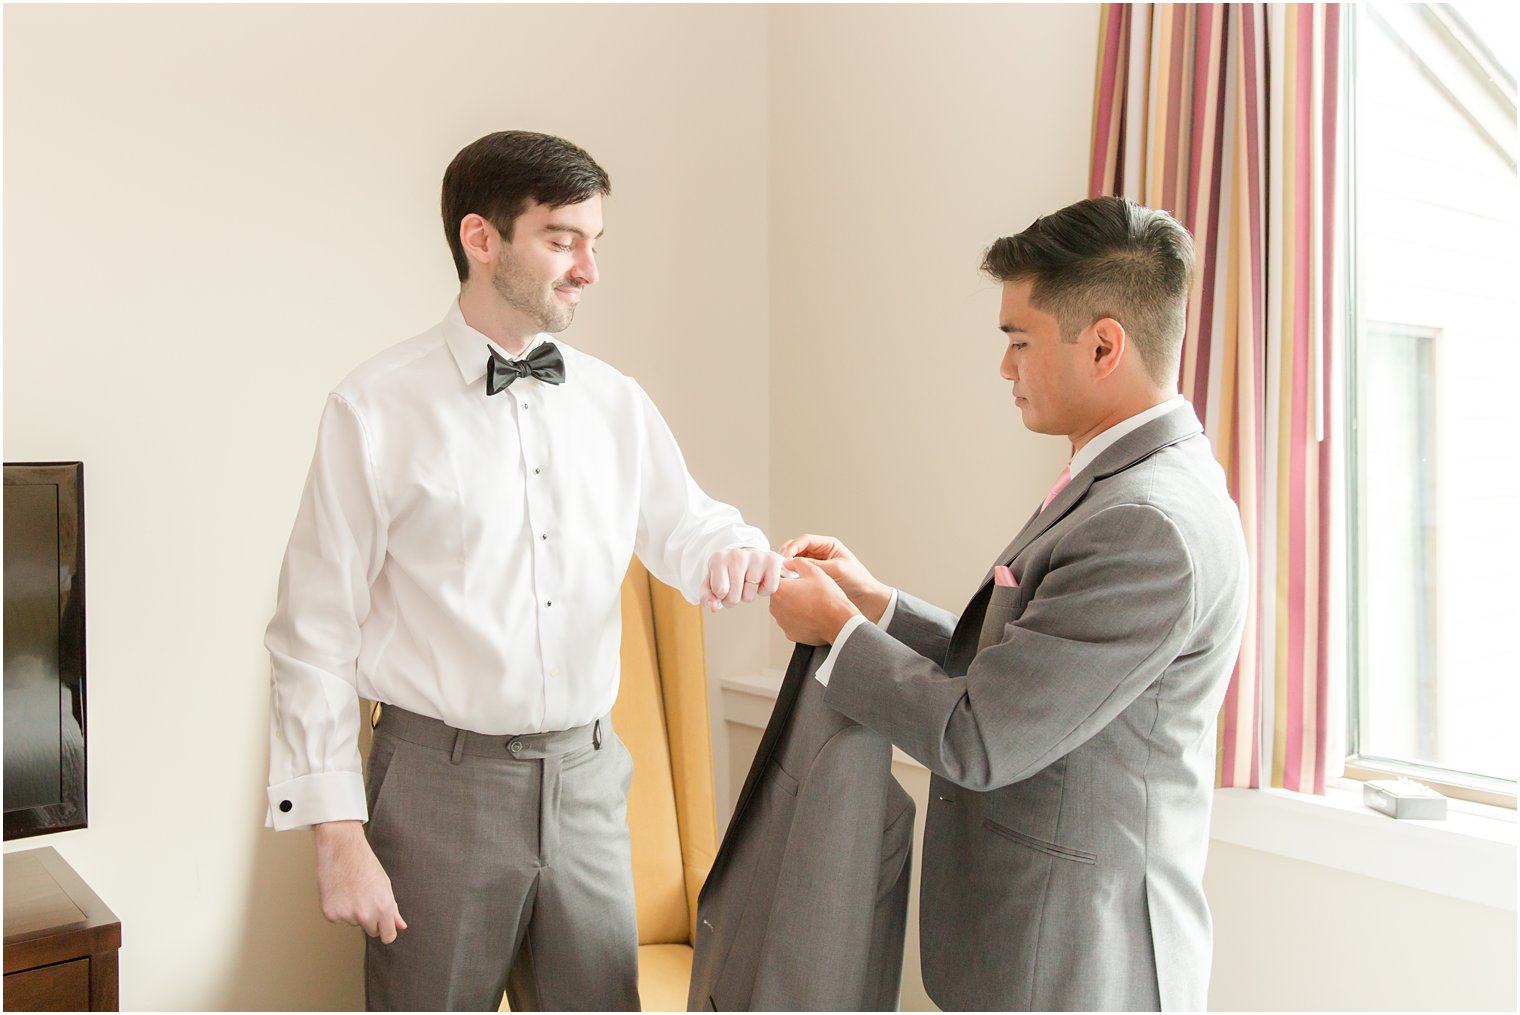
(661, 715)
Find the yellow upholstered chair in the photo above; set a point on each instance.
(661, 715)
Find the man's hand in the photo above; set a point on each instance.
(813, 608)
(835, 560)
(354, 887)
(738, 575)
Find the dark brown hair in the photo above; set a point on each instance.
(497, 176)
(1107, 257)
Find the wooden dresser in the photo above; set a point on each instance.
(60, 939)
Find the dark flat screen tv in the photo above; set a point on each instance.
(44, 648)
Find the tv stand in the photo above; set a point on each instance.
(60, 939)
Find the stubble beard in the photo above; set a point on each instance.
(527, 296)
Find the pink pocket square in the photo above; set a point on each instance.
(1004, 577)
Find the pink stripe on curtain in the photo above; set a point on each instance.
(1203, 195)
(1201, 82)
(1327, 484)
(1108, 97)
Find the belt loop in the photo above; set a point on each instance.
(596, 735)
(458, 746)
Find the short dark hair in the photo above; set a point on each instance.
(497, 176)
(1107, 257)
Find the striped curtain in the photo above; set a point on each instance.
(1225, 115)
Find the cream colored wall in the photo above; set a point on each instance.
(1296, 936)
(211, 215)
(904, 140)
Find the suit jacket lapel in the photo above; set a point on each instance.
(791, 686)
(1064, 501)
(1177, 425)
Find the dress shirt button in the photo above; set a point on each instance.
(543, 535)
(515, 747)
(537, 470)
(285, 806)
(548, 603)
(525, 405)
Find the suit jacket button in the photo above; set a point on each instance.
(285, 806)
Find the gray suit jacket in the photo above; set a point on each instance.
(1070, 726)
(807, 902)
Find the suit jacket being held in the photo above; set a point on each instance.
(807, 902)
(1069, 724)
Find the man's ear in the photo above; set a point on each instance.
(1110, 346)
(480, 240)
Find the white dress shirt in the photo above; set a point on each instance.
(1079, 461)
(461, 556)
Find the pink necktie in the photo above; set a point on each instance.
(1061, 481)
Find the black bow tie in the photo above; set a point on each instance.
(546, 363)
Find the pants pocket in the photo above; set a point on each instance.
(382, 757)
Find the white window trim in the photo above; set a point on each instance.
(1470, 856)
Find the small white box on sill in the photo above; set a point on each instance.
(1404, 798)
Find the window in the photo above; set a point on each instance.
(1434, 397)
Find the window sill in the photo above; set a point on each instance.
(1469, 856)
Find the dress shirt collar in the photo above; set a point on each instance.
(1105, 440)
(469, 345)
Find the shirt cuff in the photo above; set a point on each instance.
(313, 799)
(826, 669)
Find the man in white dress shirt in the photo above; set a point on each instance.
(472, 505)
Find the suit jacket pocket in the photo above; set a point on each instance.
(1040, 845)
(778, 778)
(1003, 608)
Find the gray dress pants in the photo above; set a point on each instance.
(510, 863)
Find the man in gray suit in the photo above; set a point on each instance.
(1068, 714)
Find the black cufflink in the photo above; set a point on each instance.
(285, 806)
